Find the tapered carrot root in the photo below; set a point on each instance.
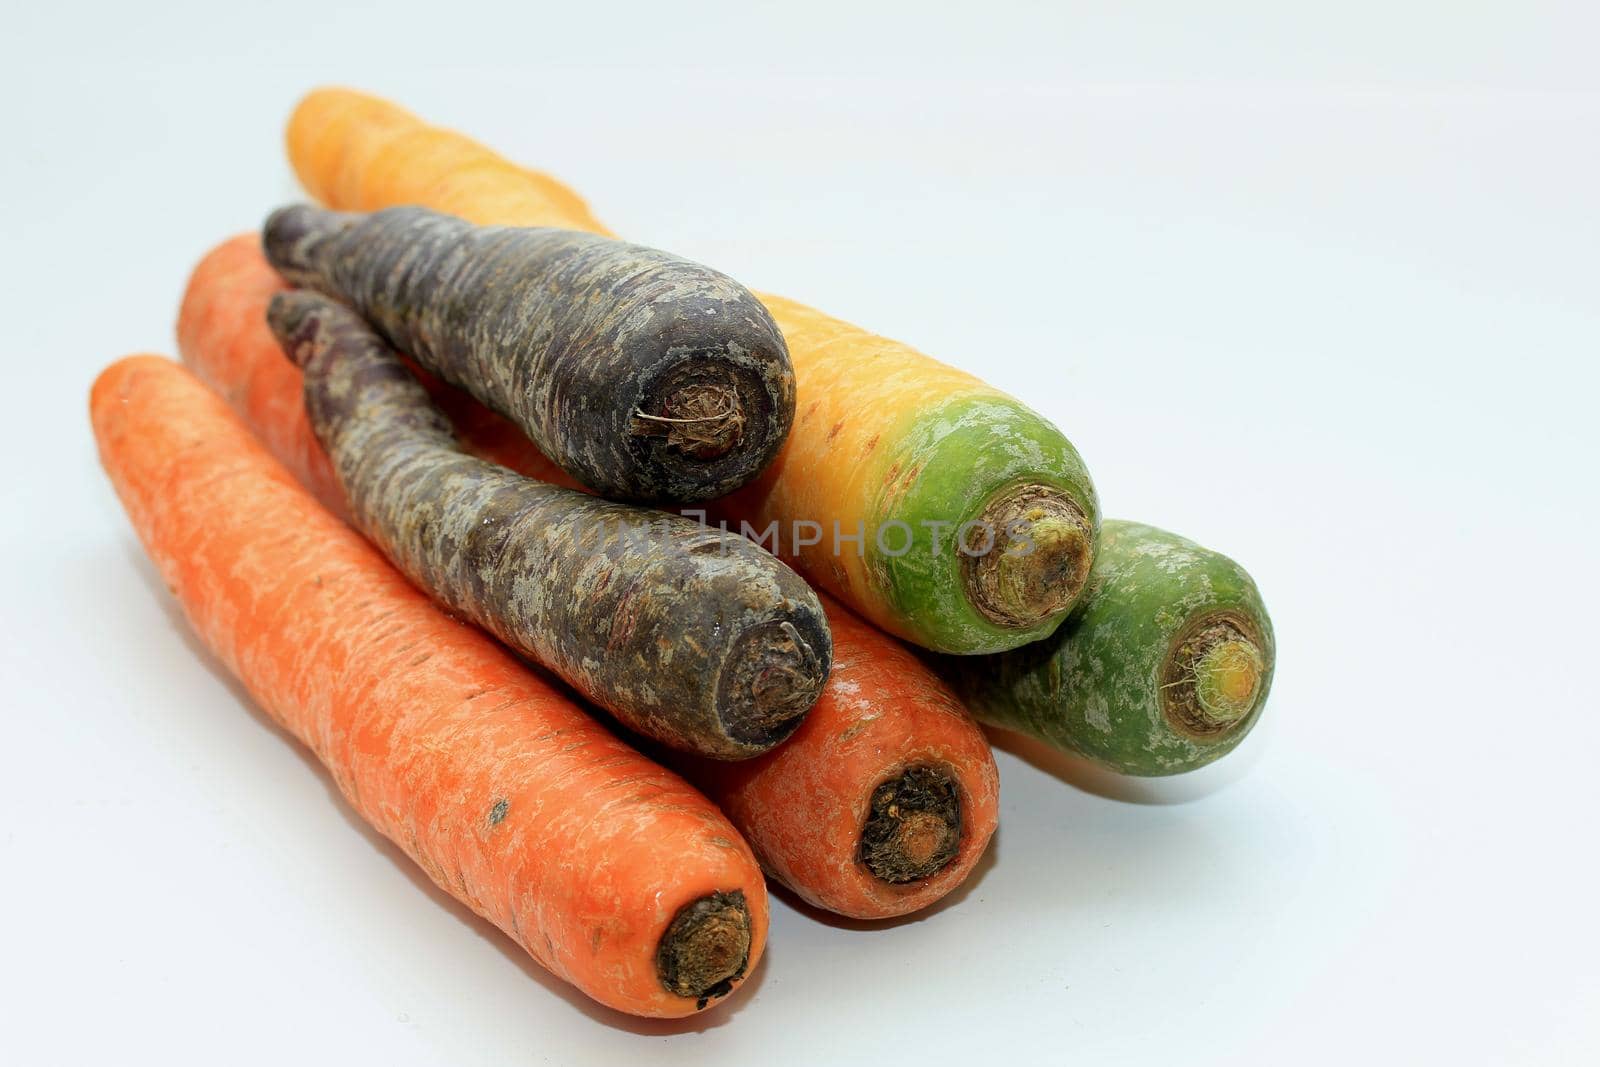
(882, 720)
(884, 799)
(942, 537)
(609, 870)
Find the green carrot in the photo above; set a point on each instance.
(1163, 667)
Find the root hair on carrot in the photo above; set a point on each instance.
(1213, 676)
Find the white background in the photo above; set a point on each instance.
(1315, 284)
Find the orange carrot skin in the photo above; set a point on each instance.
(802, 805)
(510, 797)
(224, 303)
(799, 806)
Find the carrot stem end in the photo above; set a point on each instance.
(706, 948)
(913, 827)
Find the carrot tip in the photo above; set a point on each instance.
(707, 948)
(913, 830)
(294, 318)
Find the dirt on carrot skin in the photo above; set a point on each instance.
(688, 634)
(645, 376)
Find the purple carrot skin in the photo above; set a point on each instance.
(687, 634)
(645, 376)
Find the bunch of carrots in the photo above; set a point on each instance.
(431, 455)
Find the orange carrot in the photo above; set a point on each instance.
(889, 492)
(883, 722)
(884, 798)
(610, 871)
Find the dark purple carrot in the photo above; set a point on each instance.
(688, 634)
(643, 375)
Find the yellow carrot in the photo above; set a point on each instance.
(937, 506)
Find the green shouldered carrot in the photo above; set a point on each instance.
(1163, 668)
(689, 635)
(976, 518)
(645, 376)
